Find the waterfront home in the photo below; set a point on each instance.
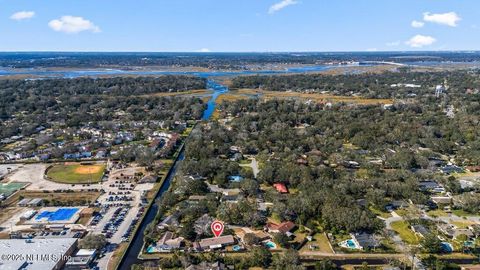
(168, 243)
(365, 241)
(169, 221)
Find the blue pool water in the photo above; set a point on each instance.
(270, 245)
(59, 215)
(235, 178)
(237, 248)
(351, 244)
(151, 249)
(447, 247)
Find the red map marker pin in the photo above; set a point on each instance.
(217, 228)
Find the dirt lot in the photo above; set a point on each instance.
(7, 213)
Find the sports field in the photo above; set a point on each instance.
(10, 188)
(75, 173)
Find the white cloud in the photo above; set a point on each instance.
(281, 5)
(420, 41)
(449, 18)
(417, 24)
(22, 15)
(204, 50)
(72, 24)
(393, 43)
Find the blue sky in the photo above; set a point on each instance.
(239, 26)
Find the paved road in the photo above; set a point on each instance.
(103, 262)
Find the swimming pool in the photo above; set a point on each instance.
(60, 215)
(447, 247)
(237, 248)
(270, 245)
(151, 249)
(349, 244)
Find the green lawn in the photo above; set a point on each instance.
(462, 213)
(407, 235)
(320, 240)
(462, 224)
(76, 173)
(245, 161)
(401, 212)
(379, 212)
(437, 213)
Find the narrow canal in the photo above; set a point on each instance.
(131, 256)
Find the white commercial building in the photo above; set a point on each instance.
(36, 254)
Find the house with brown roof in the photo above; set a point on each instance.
(284, 227)
(217, 242)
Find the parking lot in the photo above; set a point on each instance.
(65, 233)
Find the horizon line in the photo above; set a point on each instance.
(213, 52)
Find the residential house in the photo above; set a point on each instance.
(284, 227)
(431, 186)
(449, 169)
(202, 224)
(261, 235)
(217, 242)
(207, 266)
(231, 198)
(167, 243)
(420, 230)
(236, 157)
(475, 228)
(365, 241)
(441, 199)
(453, 231)
(397, 204)
(196, 198)
(281, 188)
(169, 221)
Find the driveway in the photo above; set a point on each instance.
(254, 166)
